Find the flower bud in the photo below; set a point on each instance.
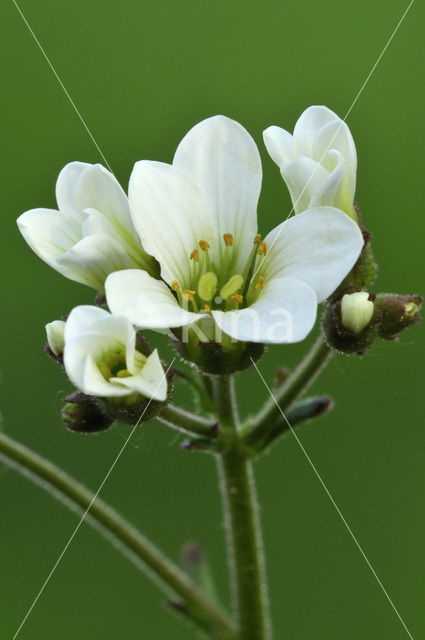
(81, 414)
(397, 313)
(356, 311)
(350, 324)
(55, 336)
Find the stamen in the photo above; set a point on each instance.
(257, 238)
(262, 249)
(124, 373)
(207, 286)
(231, 287)
(207, 308)
(188, 294)
(228, 239)
(204, 245)
(175, 285)
(260, 283)
(194, 255)
(237, 298)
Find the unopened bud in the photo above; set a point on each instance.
(397, 313)
(81, 414)
(55, 336)
(356, 311)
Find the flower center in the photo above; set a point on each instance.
(113, 365)
(214, 286)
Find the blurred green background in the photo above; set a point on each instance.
(142, 73)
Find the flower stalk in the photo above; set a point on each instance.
(244, 537)
(168, 576)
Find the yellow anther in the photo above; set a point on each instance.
(262, 249)
(237, 298)
(257, 238)
(194, 255)
(207, 308)
(207, 286)
(175, 285)
(188, 294)
(228, 239)
(260, 283)
(231, 287)
(204, 245)
(124, 373)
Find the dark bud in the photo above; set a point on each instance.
(309, 408)
(397, 313)
(215, 359)
(81, 414)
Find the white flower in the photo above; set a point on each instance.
(198, 217)
(318, 162)
(92, 233)
(55, 332)
(356, 311)
(101, 359)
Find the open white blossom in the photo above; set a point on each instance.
(318, 162)
(101, 359)
(198, 217)
(92, 233)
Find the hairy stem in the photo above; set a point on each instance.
(186, 422)
(295, 386)
(244, 540)
(169, 577)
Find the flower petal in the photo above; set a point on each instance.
(170, 215)
(308, 126)
(303, 177)
(319, 247)
(331, 192)
(222, 159)
(150, 382)
(284, 312)
(146, 302)
(93, 258)
(82, 319)
(66, 186)
(280, 144)
(49, 234)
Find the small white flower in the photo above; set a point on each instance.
(356, 311)
(318, 162)
(198, 217)
(92, 234)
(55, 336)
(101, 359)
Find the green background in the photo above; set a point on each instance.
(141, 74)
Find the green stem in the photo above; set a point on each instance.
(187, 422)
(295, 386)
(169, 577)
(244, 539)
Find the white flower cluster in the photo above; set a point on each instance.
(197, 218)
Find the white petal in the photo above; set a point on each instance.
(66, 186)
(223, 161)
(308, 126)
(284, 312)
(93, 258)
(150, 382)
(82, 319)
(146, 302)
(170, 215)
(331, 192)
(303, 178)
(336, 135)
(319, 246)
(280, 145)
(49, 234)
(55, 336)
(95, 384)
